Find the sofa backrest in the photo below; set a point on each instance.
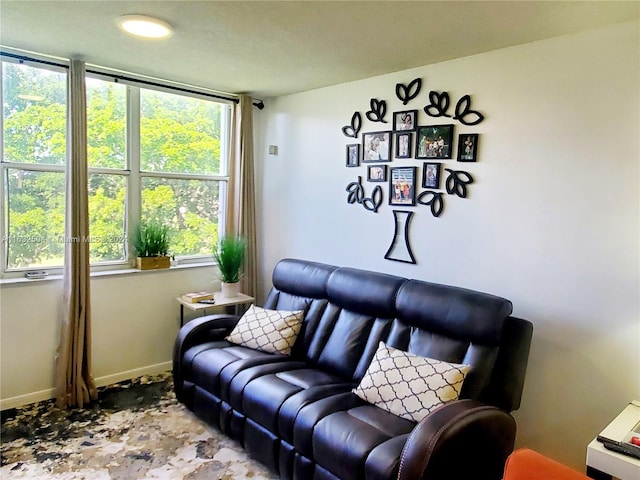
(349, 311)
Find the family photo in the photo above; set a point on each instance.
(431, 175)
(377, 173)
(434, 141)
(467, 147)
(402, 186)
(405, 121)
(377, 147)
(353, 155)
(403, 145)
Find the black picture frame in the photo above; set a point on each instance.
(434, 142)
(353, 155)
(468, 147)
(405, 121)
(402, 186)
(403, 145)
(376, 173)
(376, 147)
(431, 175)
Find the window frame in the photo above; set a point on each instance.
(6, 272)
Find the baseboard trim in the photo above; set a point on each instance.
(135, 373)
(22, 400)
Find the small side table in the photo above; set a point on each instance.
(603, 463)
(221, 301)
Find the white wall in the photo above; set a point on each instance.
(551, 222)
(135, 320)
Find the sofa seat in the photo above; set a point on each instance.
(274, 400)
(361, 442)
(271, 404)
(205, 364)
(207, 369)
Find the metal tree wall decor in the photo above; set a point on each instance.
(432, 142)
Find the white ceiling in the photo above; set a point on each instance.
(269, 48)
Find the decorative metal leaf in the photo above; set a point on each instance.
(356, 191)
(408, 92)
(436, 201)
(372, 204)
(465, 115)
(438, 104)
(378, 111)
(457, 182)
(353, 129)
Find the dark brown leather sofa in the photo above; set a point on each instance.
(298, 415)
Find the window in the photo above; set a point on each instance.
(153, 155)
(34, 104)
(108, 172)
(182, 142)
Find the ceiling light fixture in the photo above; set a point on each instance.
(145, 26)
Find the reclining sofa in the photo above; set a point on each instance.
(298, 413)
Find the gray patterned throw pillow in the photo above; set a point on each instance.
(408, 385)
(272, 331)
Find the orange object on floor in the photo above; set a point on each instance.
(525, 464)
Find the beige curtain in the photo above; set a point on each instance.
(241, 197)
(75, 385)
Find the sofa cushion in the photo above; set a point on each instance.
(272, 331)
(205, 363)
(408, 385)
(346, 441)
(264, 398)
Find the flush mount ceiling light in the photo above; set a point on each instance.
(144, 26)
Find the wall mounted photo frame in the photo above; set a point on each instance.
(467, 147)
(376, 147)
(402, 186)
(377, 173)
(353, 155)
(403, 145)
(431, 175)
(405, 121)
(434, 141)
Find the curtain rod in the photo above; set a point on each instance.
(259, 104)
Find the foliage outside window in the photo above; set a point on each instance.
(168, 167)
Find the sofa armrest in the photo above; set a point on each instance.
(462, 439)
(209, 328)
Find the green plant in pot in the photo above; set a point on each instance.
(151, 244)
(230, 259)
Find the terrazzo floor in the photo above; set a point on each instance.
(135, 430)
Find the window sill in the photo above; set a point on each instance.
(105, 273)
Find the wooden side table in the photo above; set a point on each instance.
(603, 463)
(221, 301)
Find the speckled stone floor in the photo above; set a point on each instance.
(136, 430)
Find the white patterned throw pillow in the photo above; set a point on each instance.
(272, 331)
(408, 385)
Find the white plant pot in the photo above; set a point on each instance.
(230, 290)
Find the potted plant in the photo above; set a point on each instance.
(230, 258)
(151, 244)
